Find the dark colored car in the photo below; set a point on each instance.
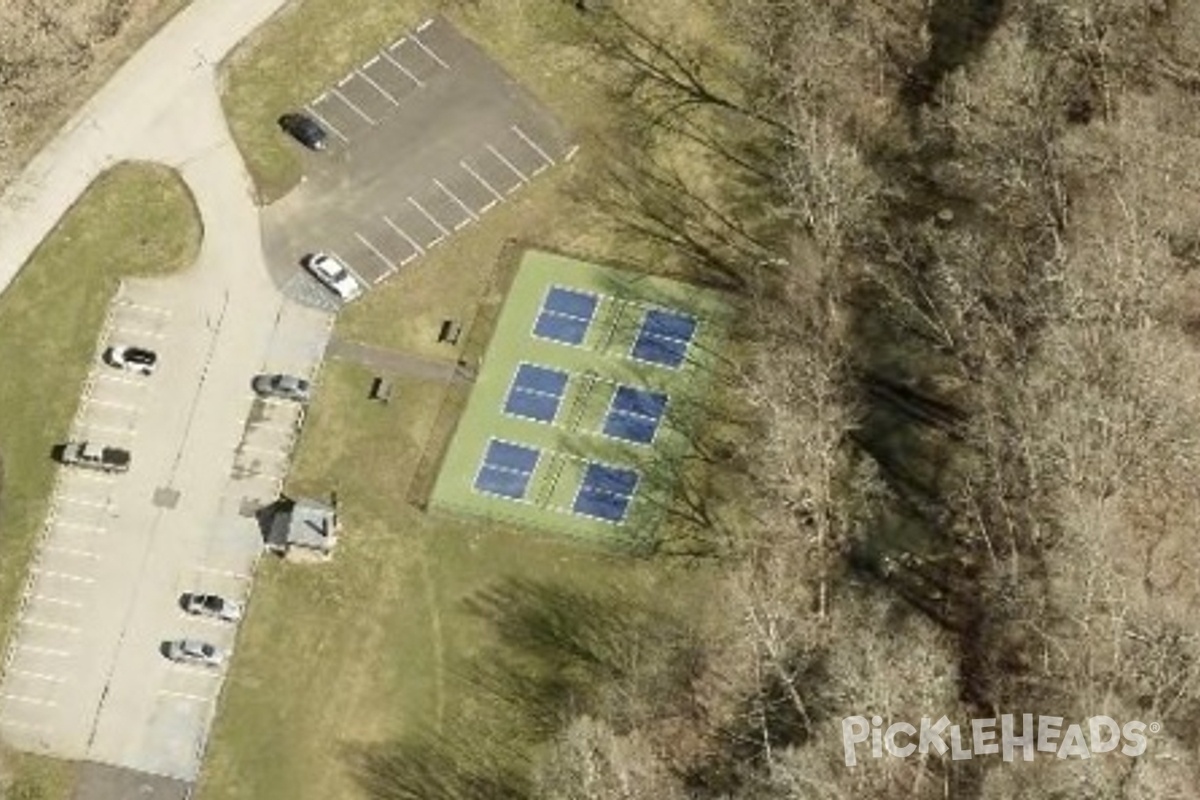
(134, 359)
(305, 130)
(284, 387)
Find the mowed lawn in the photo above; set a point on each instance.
(136, 219)
(380, 643)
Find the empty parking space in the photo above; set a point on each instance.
(389, 77)
(337, 115)
(367, 97)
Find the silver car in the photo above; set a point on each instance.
(211, 605)
(195, 652)
(284, 387)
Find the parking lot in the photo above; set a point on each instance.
(85, 674)
(427, 136)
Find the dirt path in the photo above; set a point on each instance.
(396, 363)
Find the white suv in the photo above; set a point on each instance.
(331, 272)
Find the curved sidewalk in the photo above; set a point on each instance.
(123, 120)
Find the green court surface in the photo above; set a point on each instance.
(582, 401)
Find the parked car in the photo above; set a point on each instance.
(284, 387)
(305, 130)
(194, 651)
(134, 359)
(333, 273)
(94, 456)
(211, 605)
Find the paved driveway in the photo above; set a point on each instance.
(86, 678)
(427, 136)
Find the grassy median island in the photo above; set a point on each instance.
(135, 220)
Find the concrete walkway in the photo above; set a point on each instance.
(137, 114)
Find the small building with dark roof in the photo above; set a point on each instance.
(303, 530)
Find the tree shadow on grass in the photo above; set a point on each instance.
(558, 652)
(433, 767)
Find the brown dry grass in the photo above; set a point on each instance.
(53, 56)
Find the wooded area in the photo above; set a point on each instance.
(956, 472)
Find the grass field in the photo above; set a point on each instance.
(379, 643)
(136, 219)
(594, 369)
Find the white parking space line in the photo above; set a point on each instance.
(33, 701)
(482, 181)
(288, 428)
(271, 451)
(508, 164)
(79, 501)
(184, 696)
(66, 576)
(46, 651)
(571, 153)
(378, 88)
(37, 676)
(533, 144)
(424, 25)
(429, 217)
(50, 626)
(71, 551)
(408, 258)
(431, 54)
(455, 199)
(420, 250)
(273, 401)
(137, 333)
(207, 672)
(94, 476)
(79, 526)
(420, 83)
(9, 722)
(91, 428)
(110, 404)
(122, 379)
(162, 312)
(41, 598)
(370, 62)
(391, 266)
(325, 122)
(353, 107)
(224, 572)
(349, 77)
(265, 476)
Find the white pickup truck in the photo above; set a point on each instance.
(94, 456)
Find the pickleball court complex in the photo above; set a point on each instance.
(580, 405)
